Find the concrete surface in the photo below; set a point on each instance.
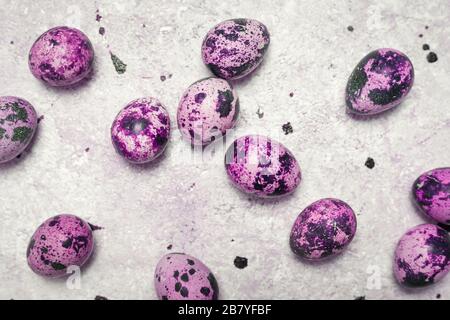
(189, 204)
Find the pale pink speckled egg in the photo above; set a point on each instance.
(141, 130)
(422, 256)
(61, 56)
(323, 229)
(179, 276)
(261, 166)
(60, 242)
(18, 123)
(207, 109)
(379, 82)
(234, 48)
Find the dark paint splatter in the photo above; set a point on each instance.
(86, 150)
(350, 28)
(101, 30)
(291, 94)
(432, 57)
(260, 113)
(169, 247)
(360, 298)
(370, 163)
(100, 298)
(240, 262)
(426, 47)
(119, 65)
(287, 128)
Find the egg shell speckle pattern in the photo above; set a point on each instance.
(261, 166)
(208, 109)
(181, 277)
(422, 256)
(234, 48)
(61, 241)
(141, 130)
(431, 192)
(18, 122)
(61, 56)
(380, 81)
(323, 229)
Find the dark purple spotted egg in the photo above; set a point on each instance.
(60, 242)
(61, 56)
(380, 81)
(179, 276)
(208, 109)
(323, 229)
(18, 122)
(234, 48)
(261, 166)
(431, 192)
(141, 130)
(422, 256)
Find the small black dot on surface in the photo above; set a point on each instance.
(350, 28)
(420, 35)
(163, 78)
(101, 30)
(240, 262)
(12, 42)
(360, 298)
(370, 163)
(426, 47)
(426, 27)
(287, 128)
(291, 94)
(438, 296)
(432, 57)
(169, 247)
(100, 298)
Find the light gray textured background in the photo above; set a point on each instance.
(190, 204)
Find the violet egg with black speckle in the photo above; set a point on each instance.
(207, 109)
(18, 123)
(431, 193)
(234, 48)
(262, 167)
(61, 56)
(179, 276)
(422, 256)
(141, 130)
(323, 229)
(380, 81)
(59, 243)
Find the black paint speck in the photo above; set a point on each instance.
(119, 65)
(12, 42)
(438, 296)
(350, 28)
(291, 94)
(40, 119)
(86, 150)
(287, 128)
(370, 163)
(98, 17)
(100, 298)
(426, 47)
(240, 262)
(420, 35)
(360, 298)
(169, 247)
(260, 113)
(163, 78)
(426, 27)
(101, 30)
(432, 57)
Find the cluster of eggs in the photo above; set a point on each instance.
(255, 164)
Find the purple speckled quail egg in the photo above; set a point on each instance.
(431, 192)
(380, 81)
(422, 256)
(61, 56)
(60, 242)
(18, 122)
(263, 167)
(179, 276)
(323, 229)
(141, 130)
(208, 109)
(234, 48)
